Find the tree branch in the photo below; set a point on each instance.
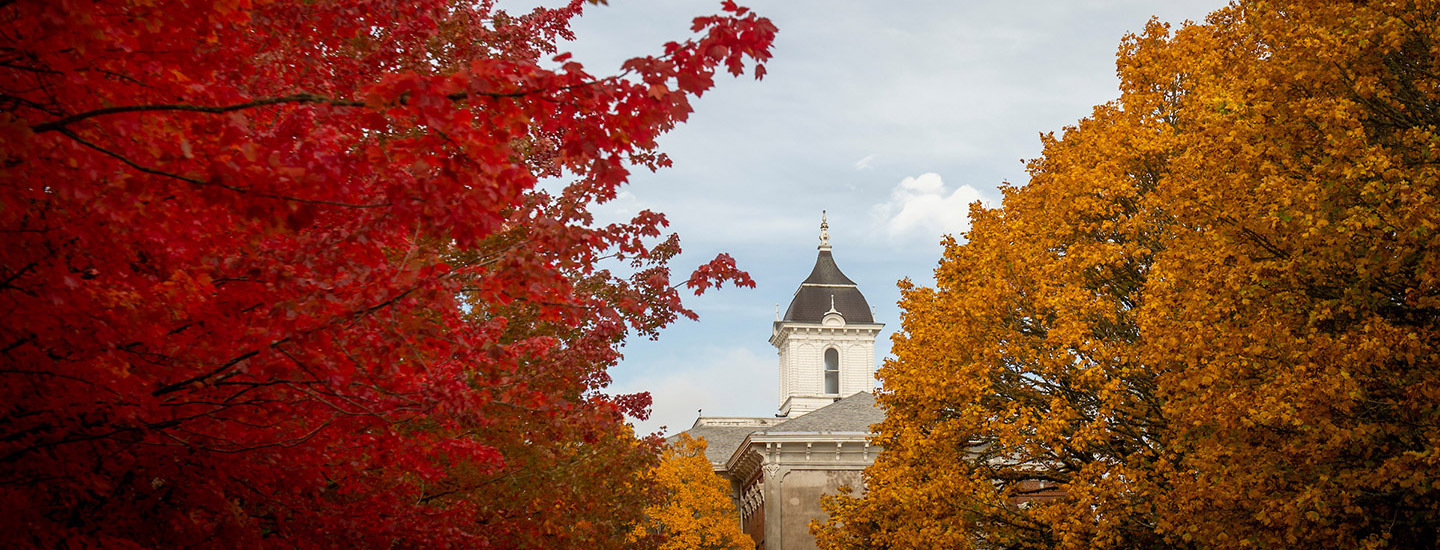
(300, 98)
(177, 386)
(72, 135)
(57, 125)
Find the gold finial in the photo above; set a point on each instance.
(824, 232)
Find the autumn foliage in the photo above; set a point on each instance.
(281, 273)
(1209, 320)
(694, 511)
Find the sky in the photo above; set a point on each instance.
(891, 116)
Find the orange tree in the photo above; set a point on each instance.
(1208, 320)
(279, 273)
(695, 511)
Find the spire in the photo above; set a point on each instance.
(827, 289)
(824, 232)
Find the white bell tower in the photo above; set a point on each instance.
(826, 340)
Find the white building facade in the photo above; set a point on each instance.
(779, 467)
(826, 340)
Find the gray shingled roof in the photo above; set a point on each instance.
(720, 441)
(851, 414)
(826, 272)
(827, 283)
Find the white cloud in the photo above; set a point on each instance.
(922, 207)
(621, 209)
(719, 381)
(865, 163)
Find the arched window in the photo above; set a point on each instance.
(832, 371)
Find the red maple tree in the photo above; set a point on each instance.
(280, 273)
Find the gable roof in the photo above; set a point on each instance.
(723, 434)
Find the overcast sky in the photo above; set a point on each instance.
(892, 115)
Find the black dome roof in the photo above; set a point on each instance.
(827, 285)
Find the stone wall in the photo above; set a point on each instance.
(800, 498)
